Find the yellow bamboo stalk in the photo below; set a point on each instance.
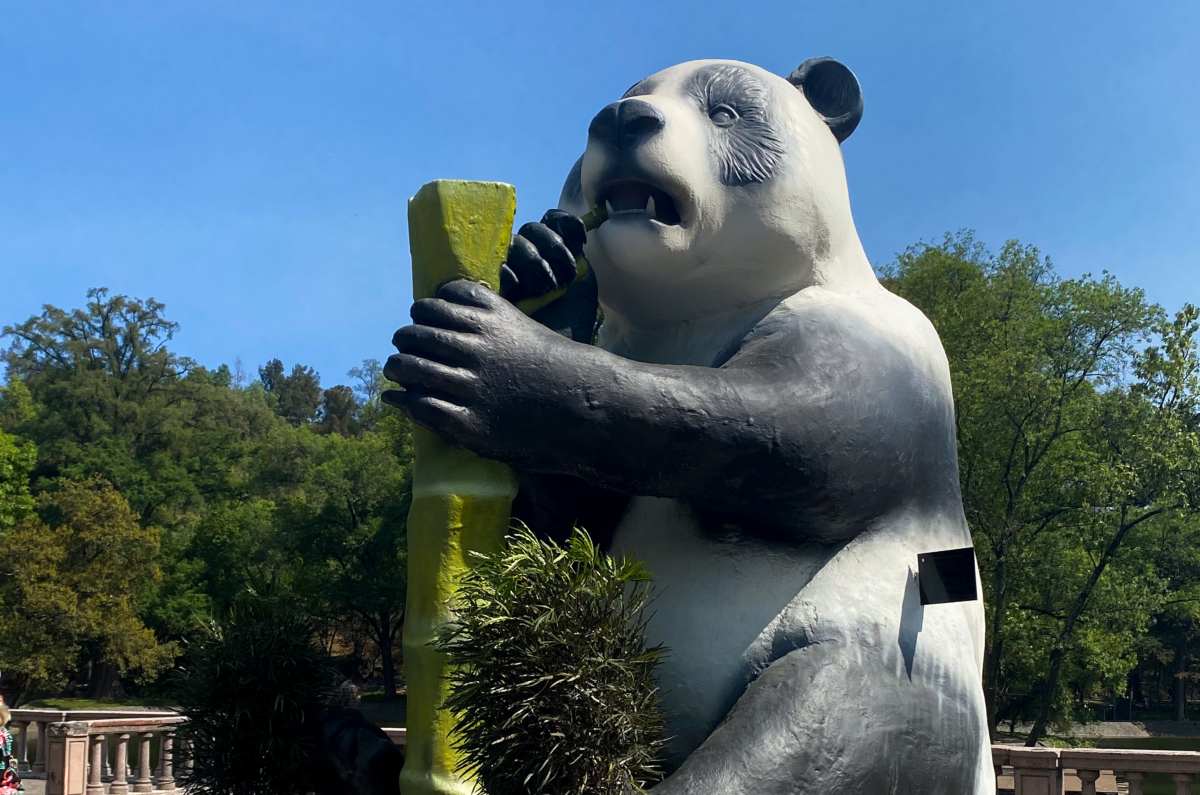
(461, 502)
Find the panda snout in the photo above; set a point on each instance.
(626, 123)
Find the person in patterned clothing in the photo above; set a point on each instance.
(10, 782)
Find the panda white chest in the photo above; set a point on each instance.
(715, 596)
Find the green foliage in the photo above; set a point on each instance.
(251, 689)
(141, 494)
(295, 396)
(16, 462)
(1072, 436)
(110, 399)
(369, 376)
(75, 577)
(555, 684)
(338, 410)
(239, 486)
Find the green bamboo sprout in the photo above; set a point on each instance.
(461, 502)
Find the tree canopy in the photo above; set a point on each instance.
(1077, 428)
(143, 495)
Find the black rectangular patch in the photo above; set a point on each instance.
(947, 576)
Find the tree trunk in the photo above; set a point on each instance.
(995, 649)
(1046, 696)
(1134, 684)
(1180, 682)
(103, 681)
(1050, 684)
(19, 693)
(385, 639)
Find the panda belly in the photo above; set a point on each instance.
(714, 596)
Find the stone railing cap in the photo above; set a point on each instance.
(135, 724)
(59, 715)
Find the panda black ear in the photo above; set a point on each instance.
(833, 91)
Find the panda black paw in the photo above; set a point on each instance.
(542, 256)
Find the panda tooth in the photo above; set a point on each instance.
(650, 207)
(608, 206)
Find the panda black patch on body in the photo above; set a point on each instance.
(761, 422)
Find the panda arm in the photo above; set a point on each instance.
(820, 420)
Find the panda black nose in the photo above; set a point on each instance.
(626, 123)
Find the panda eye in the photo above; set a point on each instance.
(722, 115)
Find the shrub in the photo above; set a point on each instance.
(552, 680)
(252, 689)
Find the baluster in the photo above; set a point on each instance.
(166, 765)
(20, 734)
(42, 747)
(143, 782)
(1088, 780)
(1183, 783)
(95, 783)
(107, 764)
(1135, 782)
(120, 783)
(158, 763)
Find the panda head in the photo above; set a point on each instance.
(724, 184)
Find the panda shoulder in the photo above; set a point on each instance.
(870, 322)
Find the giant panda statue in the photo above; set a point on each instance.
(758, 420)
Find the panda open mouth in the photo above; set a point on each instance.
(629, 198)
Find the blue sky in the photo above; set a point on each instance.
(248, 163)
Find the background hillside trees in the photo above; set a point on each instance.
(144, 496)
(186, 490)
(1076, 414)
(79, 572)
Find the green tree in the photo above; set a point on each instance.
(1145, 445)
(1171, 545)
(112, 400)
(241, 494)
(16, 404)
(252, 689)
(326, 524)
(369, 385)
(241, 549)
(1037, 364)
(76, 573)
(296, 396)
(338, 412)
(101, 394)
(16, 462)
(369, 376)
(344, 511)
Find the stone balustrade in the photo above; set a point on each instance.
(30, 729)
(120, 753)
(97, 753)
(1051, 771)
(109, 752)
